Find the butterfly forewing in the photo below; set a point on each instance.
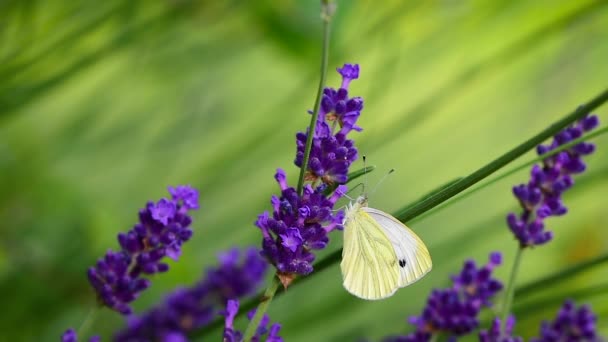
(413, 256)
(369, 260)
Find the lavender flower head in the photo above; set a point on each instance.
(494, 334)
(332, 154)
(454, 310)
(263, 333)
(541, 197)
(571, 324)
(162, 229)
(240, 274)
(71, 336)
(298, 225)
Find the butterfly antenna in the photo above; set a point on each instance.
(382, 180)
(351, 190)
(364, 172)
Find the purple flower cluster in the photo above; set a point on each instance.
(163, 227)
(71, 336)
(571, 324)
(541, 197)
(298, 225)
(454, 310)
(239, 274)
(495, 333)
(332, 154)
(263, 333)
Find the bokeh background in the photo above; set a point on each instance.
(104, 104)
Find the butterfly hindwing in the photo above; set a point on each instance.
(413, 256)
(369, 260)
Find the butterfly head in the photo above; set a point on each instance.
(362, 200)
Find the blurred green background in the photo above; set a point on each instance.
(104, 104)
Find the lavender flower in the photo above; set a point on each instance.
(240, 274)
(71, 336)
(571, 324)
(541, 197)
(298, 225)
(163, 227)
(454, 310)
(332, 154)
(494, 334)
(263, 332)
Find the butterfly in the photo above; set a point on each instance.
(380, 254)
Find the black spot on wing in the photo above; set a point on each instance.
(402, 263)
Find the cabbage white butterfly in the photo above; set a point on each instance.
(380, 254)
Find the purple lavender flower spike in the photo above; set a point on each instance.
(494, 334)
(162, 229)
(541, 197)
(297, 226)
(263, 333)
(71, 336)
(300, 224)
(332, 153)
(571, 324)
(239, 274)
(454, 310)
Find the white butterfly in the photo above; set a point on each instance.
(380, 253)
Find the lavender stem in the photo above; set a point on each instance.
(327, 11)
(508, 301)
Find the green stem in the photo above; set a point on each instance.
(328, 8)
(506, 305)
(88, 320)
(261, 310)
(510, 172)
(327, 11)
(501, 161)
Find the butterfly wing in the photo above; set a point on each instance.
(369, 263)
(413, 257)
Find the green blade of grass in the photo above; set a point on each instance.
(508, 173)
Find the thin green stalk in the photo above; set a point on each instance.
(266, 299)
(327, 10)
(433, 201)
(506, 305)
(510, 172)
(88, 320)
